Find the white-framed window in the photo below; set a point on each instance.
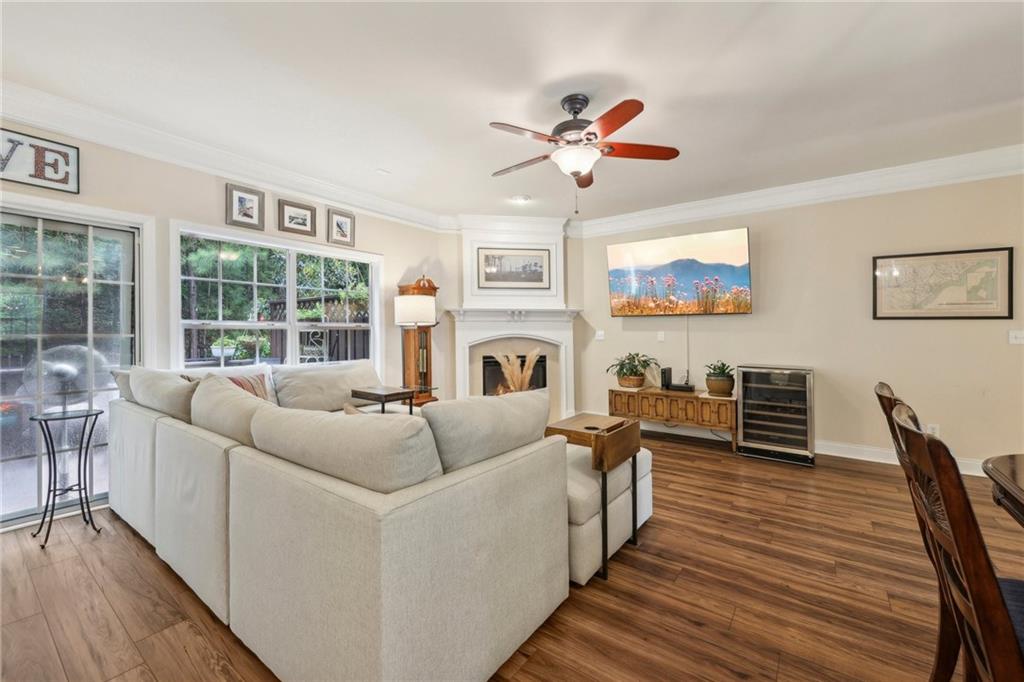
(244, 301)
(68, 315)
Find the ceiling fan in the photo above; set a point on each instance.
(580, 143)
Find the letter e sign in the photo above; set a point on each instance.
(33, 160)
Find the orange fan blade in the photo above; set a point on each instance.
(585, 181)
(524, 164)
(516, 130)
(628, 150)
(613, 119)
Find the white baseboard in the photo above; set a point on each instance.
(868, 453)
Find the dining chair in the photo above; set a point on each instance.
(989, 612)
(947, 648)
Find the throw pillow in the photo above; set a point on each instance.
(222, 406)
(163, 391)
(256, 384)
(122, 378)
(321, 387)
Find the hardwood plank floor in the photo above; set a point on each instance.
(748, 570)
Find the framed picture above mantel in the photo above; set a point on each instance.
(501, 268)
(971, 284)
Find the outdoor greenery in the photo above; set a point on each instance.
(632, 365)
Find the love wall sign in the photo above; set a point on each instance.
(37, 161)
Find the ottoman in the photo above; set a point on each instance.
(584, 489)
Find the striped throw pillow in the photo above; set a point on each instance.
(255, 384)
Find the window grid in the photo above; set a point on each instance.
(40, 399)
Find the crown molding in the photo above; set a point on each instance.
(39, 109)
(989, 163)
(22, 104)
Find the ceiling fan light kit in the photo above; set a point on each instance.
(579, 143)
(576, 160)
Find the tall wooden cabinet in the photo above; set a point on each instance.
(676, 408)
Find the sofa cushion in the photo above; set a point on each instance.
(221, 406)
(163, 391)
(472, 430)
(237, 371)
(584, 484)
(323, 387)
(384, 453)
(122, 377)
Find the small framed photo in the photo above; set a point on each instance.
(296, 218)
(244, 207)
(975, 284)
(513, 268)
(341, 227)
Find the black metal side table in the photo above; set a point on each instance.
(89, 418)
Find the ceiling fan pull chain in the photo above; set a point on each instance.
(577, 212)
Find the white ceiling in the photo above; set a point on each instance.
(753, 95)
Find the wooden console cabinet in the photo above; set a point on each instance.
(676, 408)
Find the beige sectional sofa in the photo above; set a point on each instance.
(349, 547)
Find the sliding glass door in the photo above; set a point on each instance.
(67, 317)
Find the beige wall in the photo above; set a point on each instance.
(118, 180)
(811, 271)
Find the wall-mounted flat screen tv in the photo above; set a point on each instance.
(692, 274)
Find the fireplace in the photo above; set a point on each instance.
(494, 380)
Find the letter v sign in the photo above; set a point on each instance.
(9, 153)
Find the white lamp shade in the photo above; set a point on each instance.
(575, 160)
(415, 309)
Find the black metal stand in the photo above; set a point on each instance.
(632, 536)
(90, 418)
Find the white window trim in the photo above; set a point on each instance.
(374, 260)
(44, 207)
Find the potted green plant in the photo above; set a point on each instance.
(223, 347)
(720, 380)
(631, 369)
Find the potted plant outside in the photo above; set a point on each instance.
(720, 380)
(223, 347)
(631, 369)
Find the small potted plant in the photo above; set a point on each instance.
(223, 347)
(720, 380)
(631, 369)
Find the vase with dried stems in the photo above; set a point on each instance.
(517, 375)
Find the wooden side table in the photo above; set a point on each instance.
(384, 395)
(612, 440)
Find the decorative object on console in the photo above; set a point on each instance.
(944, 285)
(244, 206)
(777, 410)
(720, 380)
(691, 274)
(517, 375)
(341, 227)
(631, 369)
(416, 312)
(513, 268)
(33, 160)
(296, 218)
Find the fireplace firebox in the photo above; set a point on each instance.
(494, 380)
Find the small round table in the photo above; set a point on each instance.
(89, 418)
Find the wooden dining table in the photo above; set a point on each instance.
(1007, 474)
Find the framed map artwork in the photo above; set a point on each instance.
(947, 285)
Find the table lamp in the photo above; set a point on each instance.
(416, 313)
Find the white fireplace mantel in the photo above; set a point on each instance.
(478, 325)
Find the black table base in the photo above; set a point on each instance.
(90, 418)
(603, 573)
